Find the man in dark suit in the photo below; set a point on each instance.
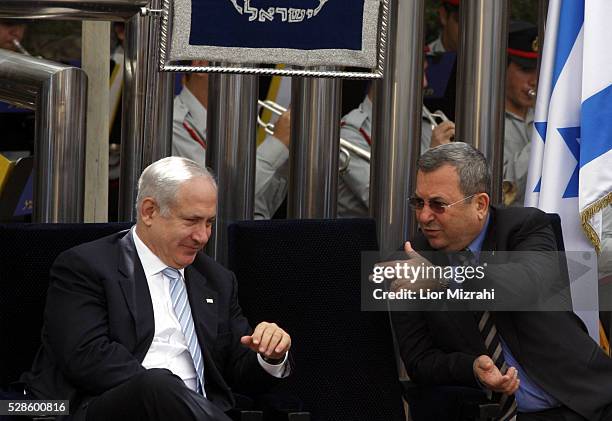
(536, 365)
(142, 325)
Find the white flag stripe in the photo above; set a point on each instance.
(542, 102)
(597, 41)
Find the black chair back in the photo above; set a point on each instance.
(305, 275)
(27, 252)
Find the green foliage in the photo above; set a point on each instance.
(526, 10)
(54, 40)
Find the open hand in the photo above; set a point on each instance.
(489, 375)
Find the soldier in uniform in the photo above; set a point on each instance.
(521, 82)
(354, 182)
(189, 117)
(189, 140)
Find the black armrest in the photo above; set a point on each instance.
(268, 407)
(431, 402)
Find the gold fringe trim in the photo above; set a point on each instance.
(588, 213)
(603, 340)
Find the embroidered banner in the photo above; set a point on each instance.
(294, 32)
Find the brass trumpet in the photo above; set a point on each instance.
(346, 147)
(20, 47)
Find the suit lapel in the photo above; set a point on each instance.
(204, 309)
(133, 283)
(504, 324)
(204, 305)
(464, 322)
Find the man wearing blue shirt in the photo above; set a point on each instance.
(536, 365)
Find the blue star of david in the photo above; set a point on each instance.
(571, 136)
(540, 127)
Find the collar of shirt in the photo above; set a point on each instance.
(366, 106)
(195, 107)
(436, 46)
(528, 118)
(150, 262)
(476, 245)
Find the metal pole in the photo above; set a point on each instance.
(58, 94)
(232, 126)
(313, 156)
(71, 9)
(146, 130)
(482, 72)
(542, 15)
(397, 124)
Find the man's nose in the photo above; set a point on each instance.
(425, 215)
(201, 234)
(533, 80)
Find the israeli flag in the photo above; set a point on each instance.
(570, 170)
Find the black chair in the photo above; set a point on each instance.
(305, 275)
(27, 252)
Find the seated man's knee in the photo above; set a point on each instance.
(158, 380)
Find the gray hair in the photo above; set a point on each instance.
(471, 165)
(162, 179)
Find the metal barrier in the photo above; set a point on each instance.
(481, 72)
(58, 94)
(147, 103)
(397, 124)
(71, 9)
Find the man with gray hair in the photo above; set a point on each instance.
(535, 365)
(155, 329)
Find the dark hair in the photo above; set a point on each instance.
(471, 165)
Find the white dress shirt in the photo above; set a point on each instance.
(169, 348)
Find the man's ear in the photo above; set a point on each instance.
(148, 210)
(482, 204)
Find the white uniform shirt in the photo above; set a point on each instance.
(353, 184)
(436, 46)
(189, 127)
(517, 151)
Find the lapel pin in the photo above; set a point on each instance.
(209, 301)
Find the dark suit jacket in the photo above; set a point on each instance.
(99, 325)
(553, 347)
